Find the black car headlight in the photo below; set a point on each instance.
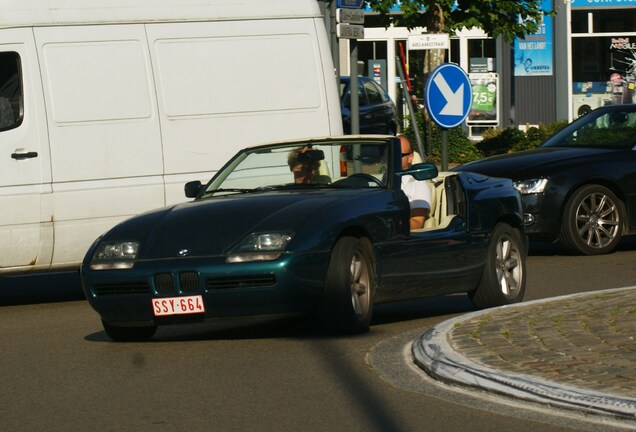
(259, 247)
(531, 186)
(114, 255)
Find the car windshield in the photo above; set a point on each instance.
(306, 165)
(611, 128)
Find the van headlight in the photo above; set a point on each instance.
(531, 186)
(114, 255)
(259, 247)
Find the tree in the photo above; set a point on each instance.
(508, 18)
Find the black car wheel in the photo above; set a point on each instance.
(504, 276)
(347, 301)
(592, 221)
(129, 334)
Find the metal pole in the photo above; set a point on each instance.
(444, 160)
(409, 104)
(335, 50)
(355, 102)
(353, 83)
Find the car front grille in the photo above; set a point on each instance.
(133, 288)
(189, 282)
(165, 283)
(258, 281)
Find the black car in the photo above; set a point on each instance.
(579, 187)
(378, 114)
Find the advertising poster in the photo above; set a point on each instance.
(484, 107)
(623, 69)
(533, 54)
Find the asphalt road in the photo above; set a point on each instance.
(59, 372)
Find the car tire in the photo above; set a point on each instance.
(592, 221)
(503, 280)
(129, 334)
(346, 305)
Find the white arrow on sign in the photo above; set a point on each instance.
(454, 99)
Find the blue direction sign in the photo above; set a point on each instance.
(448, 95)
(354, 4)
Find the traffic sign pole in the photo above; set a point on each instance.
(349, 16)
(444, 160)
(448, 98)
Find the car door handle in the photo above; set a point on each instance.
(27, 155)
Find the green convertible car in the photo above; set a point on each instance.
(316, 227)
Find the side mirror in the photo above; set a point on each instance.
(192, 189)
(421, 171)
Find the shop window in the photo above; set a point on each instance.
(11, 100)
(601, 59)
(613, 21)
(603, 21)
(454, 51)
(482, 48)
(580, 21)
(371, 50)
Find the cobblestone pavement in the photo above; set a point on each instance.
(579, 350)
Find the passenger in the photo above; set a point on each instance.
(418, 192)
(304, 170)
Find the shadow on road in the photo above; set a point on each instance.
(299, 327)
(40, 288)
(555, 249)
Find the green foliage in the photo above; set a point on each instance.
(460, 148)
(495, 141)
(498, 141)
(495, 17)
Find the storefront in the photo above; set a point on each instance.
(581, 58)
(603, 53)
(382, 48)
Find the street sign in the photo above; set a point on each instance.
(350, 16)
(350, 31)
(355, 4)
(448, 95)
(428, 41)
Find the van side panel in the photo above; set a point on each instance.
(123, 102)
(228, 85)
(15, 13)
(26, 229)
(106, 155)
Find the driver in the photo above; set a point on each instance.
(418, 192)
(304, 171)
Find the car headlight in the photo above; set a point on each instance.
(259, 247)
(114, 255)
(531, 186)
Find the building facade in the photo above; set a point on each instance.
(581, 58)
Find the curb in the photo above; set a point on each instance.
(433, 353)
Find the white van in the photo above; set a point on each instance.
(108, 107)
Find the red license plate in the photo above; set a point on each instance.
(178, 305)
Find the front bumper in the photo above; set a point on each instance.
(291, 284)
(541, 217)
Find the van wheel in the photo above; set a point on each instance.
(346, 305)
(129, 334)
(503, 280)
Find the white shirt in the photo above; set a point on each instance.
(418, 192)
